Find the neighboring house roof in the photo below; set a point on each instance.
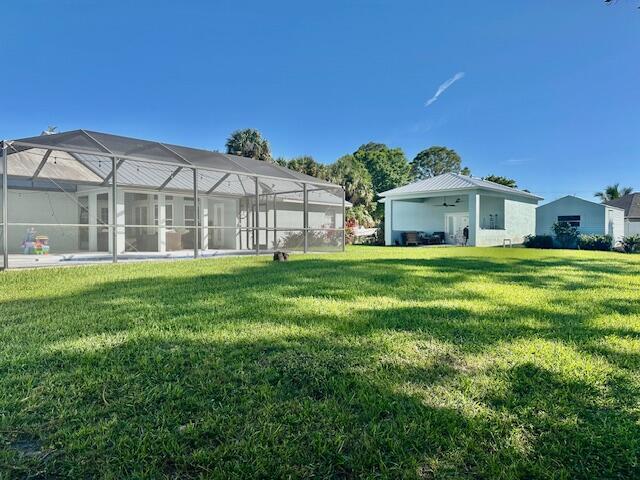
(582, 200)
(454, 182)
(630, 203)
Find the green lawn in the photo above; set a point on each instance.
(380, 362)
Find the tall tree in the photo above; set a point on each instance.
(307, 165)
(388, 167)
(507, 182)
(435, 161)
(355, 178)
(248, 143)
(611, 192)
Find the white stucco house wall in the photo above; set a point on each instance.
(449, 202)
(589, 217)
(631, 205)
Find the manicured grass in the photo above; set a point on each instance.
(381, 362)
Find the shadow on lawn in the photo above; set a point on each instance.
(211, 374)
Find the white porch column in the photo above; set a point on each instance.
(204, 223)
(388, 221)
(162, 222)
(93, 220)
(474, 218)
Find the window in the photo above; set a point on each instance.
(329, 219)
(573, 220)
(168, 215)
(83, 204)
(189, 215)
(104, 216)
(140, 215)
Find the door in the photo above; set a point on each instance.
(216, 235)
(464, 222)
(103, 221)
(140, 218)
(453, 226)
(83, 232)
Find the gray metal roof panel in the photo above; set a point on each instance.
(98, 143)
(453, 181)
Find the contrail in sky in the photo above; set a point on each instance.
(442, 88)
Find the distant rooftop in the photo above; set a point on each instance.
(630, 203)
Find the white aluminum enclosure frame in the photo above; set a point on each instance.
(181, 163)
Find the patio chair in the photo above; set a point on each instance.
(411, 238)
(438, 237)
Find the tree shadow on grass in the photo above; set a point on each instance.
(239, 373)
(300, 407)
(572, 422)
(293, 407)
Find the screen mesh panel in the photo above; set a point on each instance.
(62, 204)
(97, 143)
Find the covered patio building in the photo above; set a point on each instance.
(444, 205)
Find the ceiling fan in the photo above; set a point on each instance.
(445, 204)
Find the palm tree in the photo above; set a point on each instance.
(356, 180)
(611, 192)
(248, 143)
(307, 165)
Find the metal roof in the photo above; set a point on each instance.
(85, 157)
(452, 182)
(108, 145)
(630, 203)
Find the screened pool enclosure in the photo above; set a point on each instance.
(82, 196)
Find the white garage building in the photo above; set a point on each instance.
(589, 217)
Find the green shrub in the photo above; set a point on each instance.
(360, 216)
(316, 240)
(538, 241)
(595, 242)
(631, 244)
(566, 235)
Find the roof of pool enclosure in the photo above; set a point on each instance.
(88, 197)
(85, 157)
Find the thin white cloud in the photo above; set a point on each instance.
(515, 161)
(442, 88)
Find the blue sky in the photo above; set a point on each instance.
(550, 93)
